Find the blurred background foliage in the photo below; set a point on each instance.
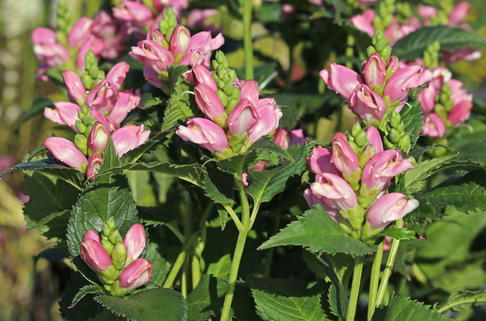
(31, 282)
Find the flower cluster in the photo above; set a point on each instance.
(144, 14)
(95, 115)
(445, 104)
(235, 115)
(352, 178)
(383, 86)
(117, 261)
(169, 43)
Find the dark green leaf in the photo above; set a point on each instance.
(218, 187)
(399, 233)
(411, 115)
(402, 309)
(178, 106)
(206, 299)
(160, 266)
(414, 44)
(150, 305)
(150, 100)
(460, 300)
(85, 290)
(318, 233)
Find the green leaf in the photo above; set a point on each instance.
(399, 233)
(267, 144)
(415, 179)
(150, 100)
(85, 290)
(160, 266)
(206, 299)
(216, 185)
(414, 44)
(98, 202)
(238, 164)
(286, 300)
(460, 300)
(264, 185)
(470, 141)
(411, 115)
(178, 106)
(402, 309)
(150, 305)
(317, 232)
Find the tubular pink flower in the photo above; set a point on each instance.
(202, 75)
(427, 98)
(198, 18)
(364, 21)
(205, 133)
(75, 86)
(343, 156)
(427, 12)
(460, 113)
(201, 47)
(80, 32)
(388, 208)
(94, 255)
(136, 274)
(118, 74)
(47, 50)
(320, 161)
(91, 235)
(152, 77)
(98, 138)
(65, 151)
(126, 102)
(95, 162)
(65, 113)
(152, 56)
(179, 42)
(405, 79)
(313, 200)
(135, 241)
(433, 126)
(367, 104)
(249, 90)
(334, 192)
(341, 79)
(133, 11)
(208, 102)
(242, 118)
(268, 118)
(374, 71)
(382, 167)
(459, 13)
(103, 97)
(129, 137)
(374, 139)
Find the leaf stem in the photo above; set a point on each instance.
(355, 285)
(175, 269)
(233, 216)
(387, 272)
(375, 280)
(459, 302)
(247, 11)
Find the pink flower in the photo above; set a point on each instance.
(427, 98)
(75, 86)
(103, 97)
(320, 161)
(98, 138)
(65, 113)
(388, 208)
(382, 167)
(462, 103)
(334, 192)
(284, 138)
(129, 137)
(133, 11)
(459, 13)
(312, 200)
(136, 274)
(118, 74)
(135, 241)
(367, 104)
(364, 22)
(208, 102)
(46, 48)
(94, 254)
(201, 75)
(65, 151)
(341, 79)
(469, 54)
(179, 42)
(91, 235)
(205, 133)
(126, 102)
(198, 18)
(95, 162)
(405, 79)
(374, 139)
(268, 118)
(242, 118)
(152, 56)
(343, 156)
(80, 32)
(374, 71)
(427, 12)
(433, 126)
(201, 47)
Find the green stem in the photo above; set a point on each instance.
(235, 265)
(387, 272)
(233, 216)
(247, 11)
(375, 280)
(175, 269)
(471, 300)
(184, 278)
(353, 297)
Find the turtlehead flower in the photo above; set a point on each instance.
(364, 22)
(95, 162)
(65, 151)
(132, 11)
(129, 137)
(320, 161)
(93, 253)
(136, 274)
(343, 156)
(374, 139)
(64, 113)
(205, 133)
(433, 126)
(46, 48)
(374, 71)
(367, 104)
(389, 208)
(405, 79)
(75, 86)
(135, 241)
(341, 79)
(209, 103)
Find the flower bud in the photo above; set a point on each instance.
(341, 79)
(75, 87)
(374, 139)
(202, 75)
(334, 191)
(91, 235)
(433, 126)
(320, 161)
(179, 42)
(374, 71)
(65, 151)
(366, 104)
(94, 165)
(136, 274)
(119, 256)
(94, 255)
(364, 22)
(98, 138)
(405, 79)
(388, 208)
(208, 102)
(135, 240)
(64, 113)
(128, 138)
(242, 118)
(205, 133)
(343, 156)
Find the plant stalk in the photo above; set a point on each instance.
(375, 280)
(247, 41)
(387, 272)
(175, 269)
(355, 285)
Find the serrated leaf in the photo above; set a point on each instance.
(460, 300)
(317, 232)
(85, 290)
(238, 164)
(160, 266)
(414, 44)
(178, 106)
(402, 309)
(411, 115)
(470, 141)
(264, 185)
(286, 300)
(150, 305)
(216, 187)
(150, 100)
(267, 144)
(98, 202)
(399, 233)
(206, 299)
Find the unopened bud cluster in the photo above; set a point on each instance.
(117, 261)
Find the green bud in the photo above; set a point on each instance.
(119, 256)
(84, 110)
(356, 129)
(109, 275)
(361, 139)
(107, 244)
(404, 143)
(81, 127)
(81, 143)
(365, 155)
(394, 136)
(87, 80)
